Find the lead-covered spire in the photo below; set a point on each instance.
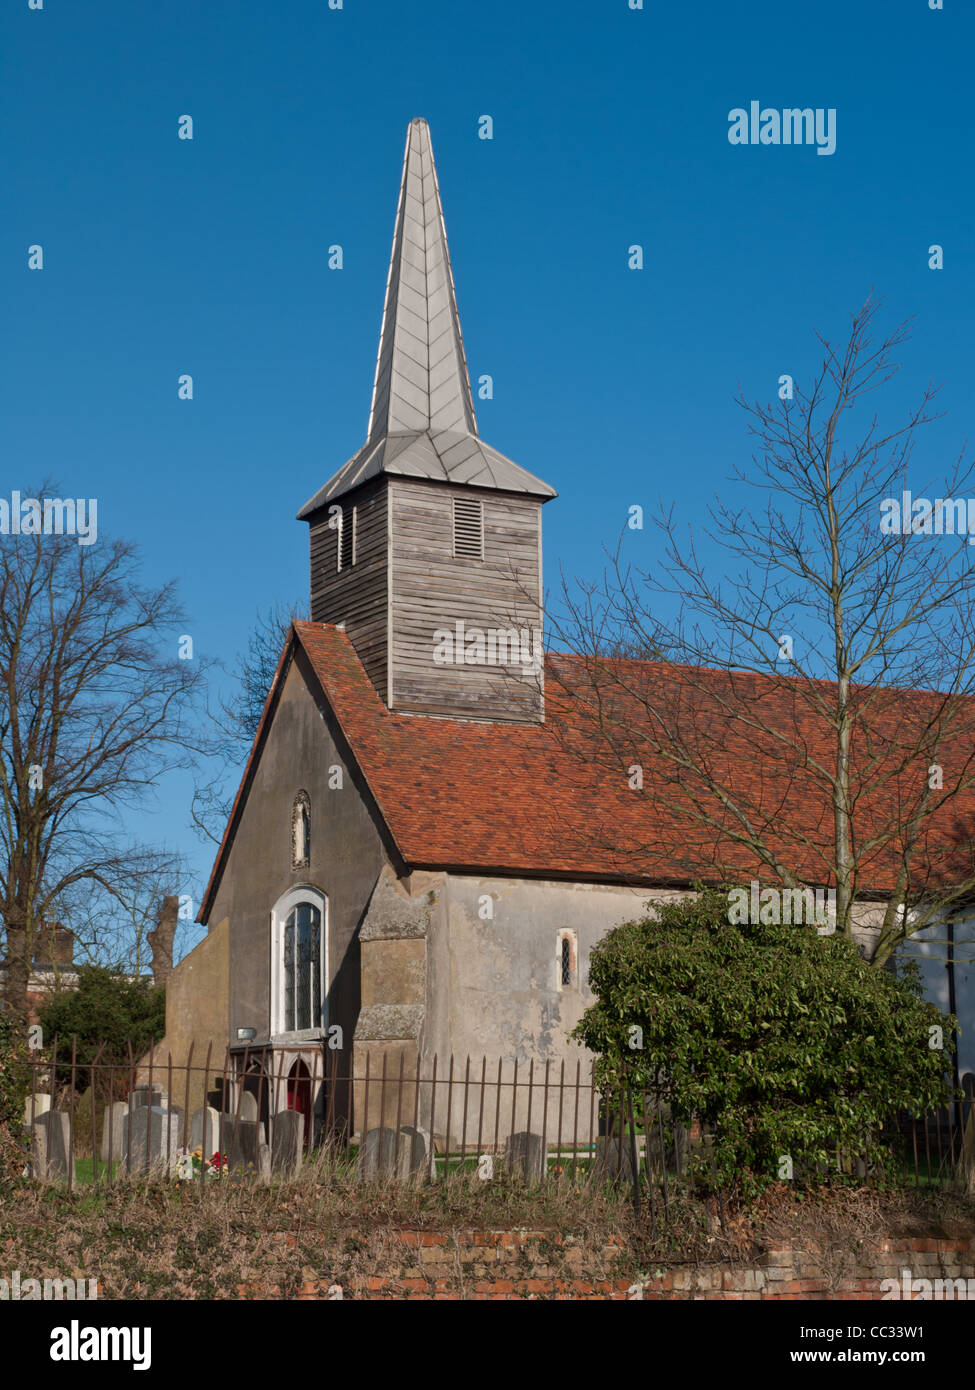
(422, 382)
(422, 422)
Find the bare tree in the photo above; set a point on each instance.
(780, 725)
(94, 708)
(114, 929)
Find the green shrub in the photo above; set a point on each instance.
(780, 1041)
(105, 1011)
(14, 1073)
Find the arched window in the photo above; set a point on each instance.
(301, 831)
(299, 963)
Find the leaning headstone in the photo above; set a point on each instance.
(113, 1129)
(287, 1141)
(377, 1156)
(247, 1150)
(415, 1153)
(161, 1130)
(36, 1106)
(50, 1142)
(205, 1131)
(614, 1160)
(524, 1154)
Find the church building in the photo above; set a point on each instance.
(414, 865)
(381, 875)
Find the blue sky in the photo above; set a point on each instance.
(164, 256)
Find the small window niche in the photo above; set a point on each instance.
(567, 960)
(301, 831)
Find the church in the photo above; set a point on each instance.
(414, 866)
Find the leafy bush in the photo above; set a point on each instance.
(14, 1089)
(14, 1073)
(104, 1009)
(781, 1042)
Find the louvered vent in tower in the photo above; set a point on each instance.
(468, 528)
(347, 538)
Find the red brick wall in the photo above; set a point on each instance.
(478, 1265)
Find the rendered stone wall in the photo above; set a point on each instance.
(197, 1014)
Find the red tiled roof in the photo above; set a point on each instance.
(552, 800)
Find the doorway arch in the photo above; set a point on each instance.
(299, 1095)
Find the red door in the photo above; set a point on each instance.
(299, 1095)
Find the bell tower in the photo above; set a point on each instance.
(427, 543)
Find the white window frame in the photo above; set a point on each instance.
(279, 915)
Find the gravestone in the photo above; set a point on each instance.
(162, 1128)
(248, 1107)
(614, 1160)
(41, 1102)
(377, 1155)
(672, 1153)
(142, 1098)
(287, 1141)
(58, 1142)
(113, 1129)
(247, 1150)
(50, 1142)
(415, 1154)
(524, 1154)
(205, 1131)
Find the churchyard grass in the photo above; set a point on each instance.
(84, 1169)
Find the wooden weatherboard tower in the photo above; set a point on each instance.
(427, 530)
